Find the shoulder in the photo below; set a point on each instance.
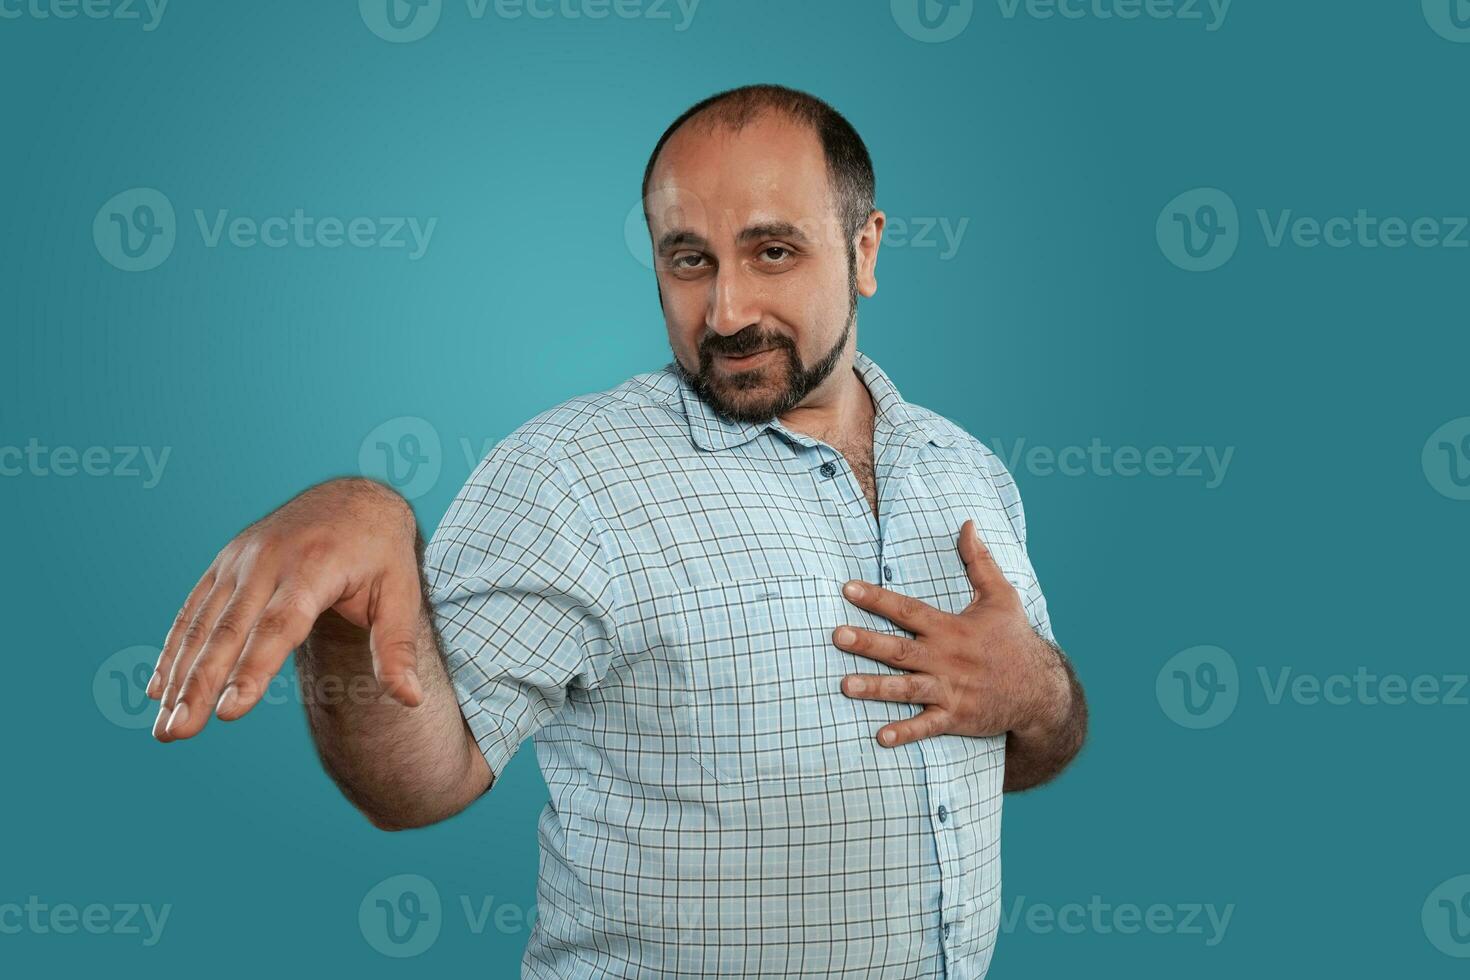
(642, 404)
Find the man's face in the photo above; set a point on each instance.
(758, 282)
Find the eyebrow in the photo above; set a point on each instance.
(684, 238)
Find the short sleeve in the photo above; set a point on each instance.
(1010, 496)
(521, 596)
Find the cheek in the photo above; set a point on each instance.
(684, 320)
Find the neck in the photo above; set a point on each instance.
(839, 410)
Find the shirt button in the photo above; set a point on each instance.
(888, 573)
(943, 813)
(829, 470)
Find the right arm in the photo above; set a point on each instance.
(338, 572)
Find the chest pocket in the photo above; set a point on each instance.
(764, 701)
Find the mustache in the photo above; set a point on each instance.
(747, 341)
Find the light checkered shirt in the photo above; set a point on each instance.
(651, 590)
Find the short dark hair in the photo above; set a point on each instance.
(849, 168)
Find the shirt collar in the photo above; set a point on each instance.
(712, 431)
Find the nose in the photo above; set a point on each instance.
(732, 305)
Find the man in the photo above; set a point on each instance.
(774, 628)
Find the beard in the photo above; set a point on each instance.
(761, 394)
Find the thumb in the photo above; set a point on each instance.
(984, 574)
(394, 630)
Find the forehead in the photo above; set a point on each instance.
(770, 168)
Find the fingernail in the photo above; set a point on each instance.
(227, 700)
(180, 715)
(844, 636)
(153, 683)
(888, 738)
(160, 723)
(852, 590)
(856, 686)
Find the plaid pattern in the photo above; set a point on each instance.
(650, 590)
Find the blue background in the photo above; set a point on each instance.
(1058, 320)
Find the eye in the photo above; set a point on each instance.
(685, 261)
(775, 253)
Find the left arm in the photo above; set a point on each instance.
(1038, 751)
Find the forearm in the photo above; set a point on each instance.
(1038, 751)
(402, 767)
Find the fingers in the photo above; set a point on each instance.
(927, 723)
(216, 660)
(175, 637)
(984, 574)
(282, 626)
(906, 611)
(896, 651)
(909, 688)
(393, 635)
(191, 640)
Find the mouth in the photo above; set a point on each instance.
(743, 361)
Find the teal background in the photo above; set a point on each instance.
(1058, 320)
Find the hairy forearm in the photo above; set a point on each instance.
(1036, 753)
(402, 767)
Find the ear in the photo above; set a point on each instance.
(866, 248)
